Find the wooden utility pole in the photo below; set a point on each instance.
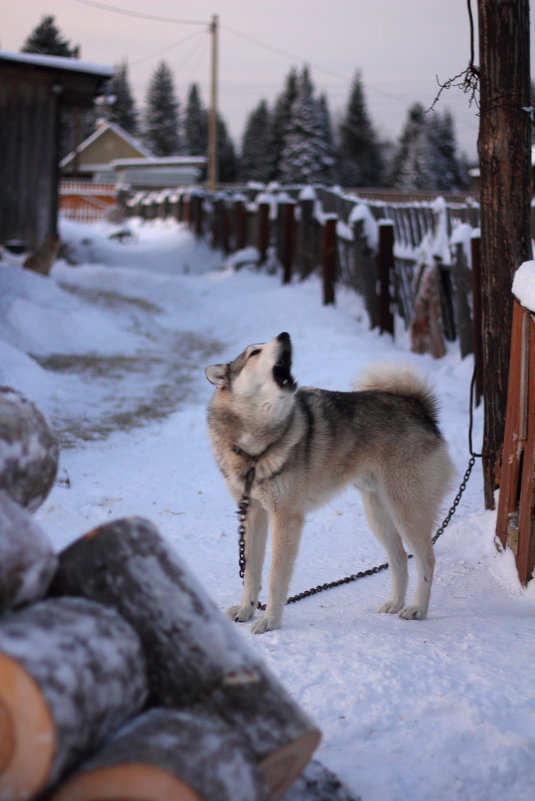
(504, 148)
(212, 129)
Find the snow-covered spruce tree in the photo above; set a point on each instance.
(449, 170)
(360, 162)
(280, 123)
(255, 162)
(195, 124)
(412, 164)
(304, 156)
(161, 119)
(122, 110)
(46, 38)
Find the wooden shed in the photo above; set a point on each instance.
(33, 91)
(515, 526)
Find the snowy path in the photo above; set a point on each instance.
(442, 709)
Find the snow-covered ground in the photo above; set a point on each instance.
(114, 352)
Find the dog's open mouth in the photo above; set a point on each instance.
(282, 368)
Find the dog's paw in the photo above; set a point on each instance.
(239, 614)
(265, 623)
(390, 607)
(413, 613)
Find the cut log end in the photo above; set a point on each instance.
(25, 727)
(126, 783)
(282, 767)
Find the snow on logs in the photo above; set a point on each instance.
(169, 755)
(27, 559)
(76, 672)
(71, 671)
(28, 450)
(193, 652)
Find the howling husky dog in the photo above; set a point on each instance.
(299, 446)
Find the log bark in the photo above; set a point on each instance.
(169, 755)
(28, 450)
(71, 672)
(193, 651)
(504, 149)
(27, 560)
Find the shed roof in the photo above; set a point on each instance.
(76, 82)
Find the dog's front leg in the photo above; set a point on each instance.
(286, 533)
(255, 549)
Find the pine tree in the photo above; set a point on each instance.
(46, 38)
(161, 121)
(303, 155)
(280, 122)
(411, 167)
(359, 153)
(227, 162)
(195, 124)
(426, 157)
(123, 108)
(448, 169)
(255, 163)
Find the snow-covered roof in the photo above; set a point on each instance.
(58, 63)
(98, 132)
(160, 161)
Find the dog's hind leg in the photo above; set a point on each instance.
(415, 523)
(255, 549)
(286, 533)
(385, 530)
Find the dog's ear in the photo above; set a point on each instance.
(217, 374)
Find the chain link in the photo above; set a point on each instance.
(329, 585)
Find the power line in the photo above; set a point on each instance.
(140, 15)
(164, 49)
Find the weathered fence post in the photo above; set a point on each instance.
(329, 258)
(263, 231)
(463, 287)
(287, 240)
(385, 268)
(476, 317)
(306, 250)
(240, 223)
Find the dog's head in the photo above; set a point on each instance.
(262, 371)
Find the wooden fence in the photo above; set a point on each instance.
(85, 201)
(403, 258)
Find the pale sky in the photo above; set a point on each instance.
(400, 46)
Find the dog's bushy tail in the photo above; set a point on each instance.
(403, 381)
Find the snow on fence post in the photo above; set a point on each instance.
(365, 269)
(71, 672)
(328, 258)
(385, 268)
(193, 651)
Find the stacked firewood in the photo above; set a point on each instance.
(119, 677)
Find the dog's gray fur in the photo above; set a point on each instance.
(306, 444)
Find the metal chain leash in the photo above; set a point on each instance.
(329, 585)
